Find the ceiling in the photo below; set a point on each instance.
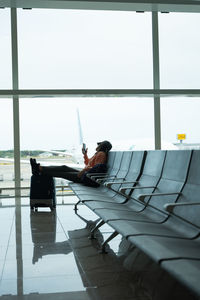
(123, 5)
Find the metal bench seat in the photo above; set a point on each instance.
(161, 216)
(147, 182)
(123, 167)
(161, 248)
(110, 174)
(112, 165)
(183, 218)
(167, 190)
(133, 164)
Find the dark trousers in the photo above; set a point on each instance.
(62, 172)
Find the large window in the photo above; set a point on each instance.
(85, 49)
(179, 51)
(53, 123)
(51, 126)
(5, 50)
(71, 49)
(180, 116)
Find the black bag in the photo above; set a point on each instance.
(42, 187)
(99, 168)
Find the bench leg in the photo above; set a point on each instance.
(95, 229)
(82, 218)
(75, 206)
(103, 246)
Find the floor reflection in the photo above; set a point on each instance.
(43, 231)
(48, 255)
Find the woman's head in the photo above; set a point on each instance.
(104, 146)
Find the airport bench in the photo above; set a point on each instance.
(158, 212)
(126, 167)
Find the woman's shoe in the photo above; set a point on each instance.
(35, 167)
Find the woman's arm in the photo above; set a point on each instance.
(86, 159)
(100, 158)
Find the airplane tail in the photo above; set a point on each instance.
(80, 128)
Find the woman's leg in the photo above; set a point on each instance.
(61, 172)
(55, 171)
(49, 170)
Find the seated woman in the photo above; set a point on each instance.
(99, 158)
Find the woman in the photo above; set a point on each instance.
(99, 158)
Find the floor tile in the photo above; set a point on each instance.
(45, 266)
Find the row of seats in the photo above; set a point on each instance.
(152, 198)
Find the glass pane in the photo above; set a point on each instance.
(181, 116)
(84, 49)
(6, 144)
(179, 50)
(5, 50)
(52, 124)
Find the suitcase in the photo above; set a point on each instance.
(42, 192)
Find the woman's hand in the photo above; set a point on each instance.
(84, 151)
(80, 173)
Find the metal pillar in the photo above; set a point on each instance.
(156, 79)
(15, 101)
(16, 130)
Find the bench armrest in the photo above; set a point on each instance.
(108, 184)
(143, 196)
(124, 182)
(122, 190)
(96, 175)
(170, 206)
(117, 179)
(99, 180)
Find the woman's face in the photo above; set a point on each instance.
(98, 147)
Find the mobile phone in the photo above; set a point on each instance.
(84, 147)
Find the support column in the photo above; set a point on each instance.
(156, 80)
(16, 129)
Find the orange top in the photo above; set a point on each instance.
(99, 157)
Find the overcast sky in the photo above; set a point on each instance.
(88, 49)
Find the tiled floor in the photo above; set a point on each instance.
(46, 255)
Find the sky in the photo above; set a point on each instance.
(98, 49)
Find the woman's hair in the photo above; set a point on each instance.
(105, 146)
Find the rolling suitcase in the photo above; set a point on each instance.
(42, 192)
